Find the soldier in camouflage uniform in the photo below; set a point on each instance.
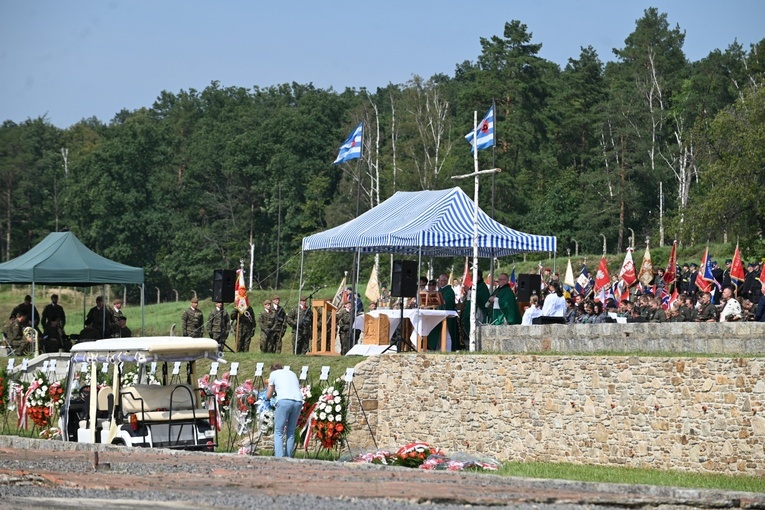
(266, 321)
(13, 332)
(280, 325)
(217, 325)
(304, 328)
(193, 320)
(344, 323)
(243, 327)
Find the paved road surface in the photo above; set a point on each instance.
(56, 475)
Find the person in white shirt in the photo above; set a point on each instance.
(289, 403)
(732, 309)
(555, 303)
(531, 312)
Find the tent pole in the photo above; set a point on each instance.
(33, 319)
(143, 312)
(300, 290)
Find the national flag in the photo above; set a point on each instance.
(373, 286)
(568, 279)
(601, 277)
(671, 273)
(467, 278)
(485, 132)
(620, 290)
(627, 273)
(338, 299)
(737, 274)
(646, 269)
(513, 279)
(762, 273)
(240, 291)
(704, 277)
(583, 284)
(664, 295)
(672, 298)
(351, 148)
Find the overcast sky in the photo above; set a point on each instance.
(74, 59)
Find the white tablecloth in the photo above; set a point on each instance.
(423, 321)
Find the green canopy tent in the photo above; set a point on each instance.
(61, 259)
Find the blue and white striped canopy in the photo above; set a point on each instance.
(433, 223)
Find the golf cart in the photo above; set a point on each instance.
(171, 412)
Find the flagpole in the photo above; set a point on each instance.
(493, 165)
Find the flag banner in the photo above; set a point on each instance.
(664, 295)
(485, 138)
(351, 148)
(627, 273)
(672, 298)
(373, 286)
(702, 282)
(671, 273)
(584, 282)
(737, 274)
(568, 279)
(467, 278)
(338, 299)
(513, 279)
(240, 291)
(621, 291)
(602, 279)
(646, 269)
(762, 273)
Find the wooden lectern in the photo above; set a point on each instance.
(324, 328)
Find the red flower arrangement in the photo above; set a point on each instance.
(329, 425)
(41, 401)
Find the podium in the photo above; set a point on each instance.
(376, 330)
(324, 328)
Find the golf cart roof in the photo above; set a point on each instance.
(145, 349)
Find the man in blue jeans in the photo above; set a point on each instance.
(289, 402)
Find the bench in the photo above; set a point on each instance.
(153, 402)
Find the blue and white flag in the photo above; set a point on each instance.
(584, 282)
(485, 132)
(351, 148)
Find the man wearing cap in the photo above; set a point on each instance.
(101, 318)
(26, 308)
(217, 325)
(193, 320)
(13, 333)
(726, 281)
(243, 326)
(692, 288)
(685, 280)
(266, 321)
(751, 288)
(280, 324)
(116, 314)
(301, 329)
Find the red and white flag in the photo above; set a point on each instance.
(627, 273)
(702, 281)
(601, 277)
(240, 291)
(737, 274)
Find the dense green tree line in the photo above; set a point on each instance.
(650, 142)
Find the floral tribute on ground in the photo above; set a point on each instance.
(423, 456)
(328, 418)
(221, 391)
(41, 403)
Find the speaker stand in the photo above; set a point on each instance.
(399, 341)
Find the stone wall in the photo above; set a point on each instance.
(690, 414)
(730, 338)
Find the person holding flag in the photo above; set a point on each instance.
(243, 317)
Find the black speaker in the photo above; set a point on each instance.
(526, 286)
(223, 285)
(405, 280)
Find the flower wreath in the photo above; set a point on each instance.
(41, 401)
(328, 417)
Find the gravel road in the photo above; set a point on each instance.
(56, 475)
